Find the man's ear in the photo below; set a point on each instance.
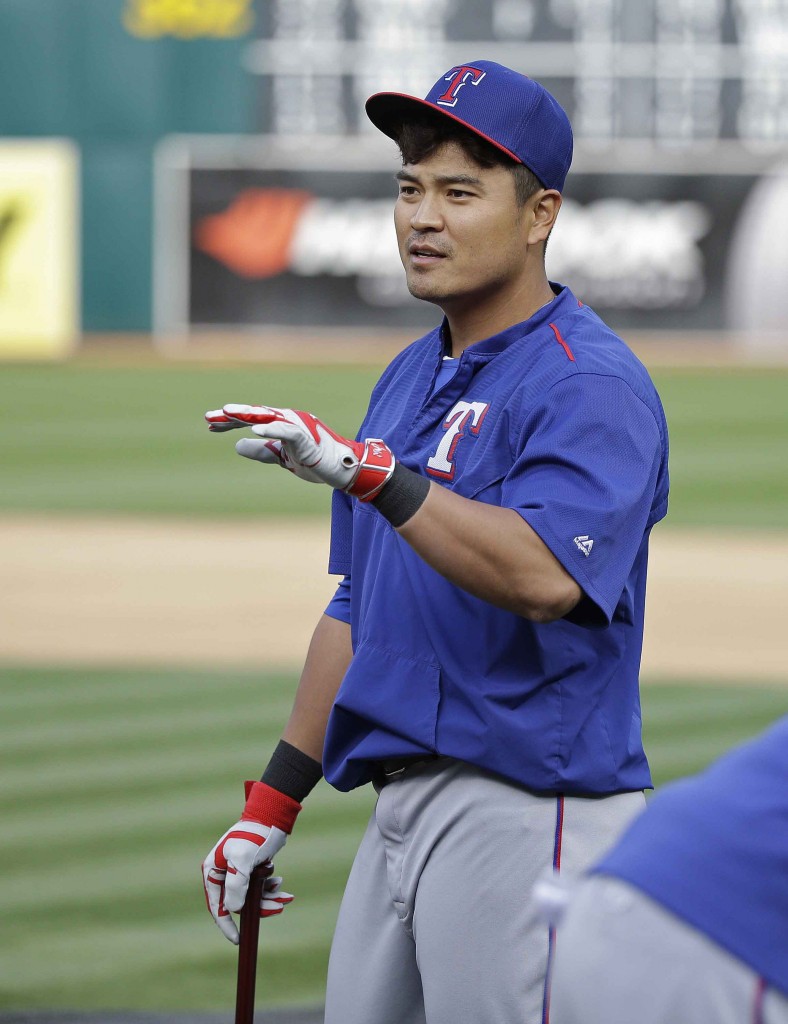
(546, 205)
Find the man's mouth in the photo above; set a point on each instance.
(424, 254)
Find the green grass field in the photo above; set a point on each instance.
(114, 786)
(78, 438)
(116, 782)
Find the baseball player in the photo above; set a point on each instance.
(686, 919)
(479, 662)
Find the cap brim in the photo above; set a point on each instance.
(388, 111)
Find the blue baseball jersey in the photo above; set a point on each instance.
(714, 851)
(556, 419)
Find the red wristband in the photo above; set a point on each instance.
(268, 806)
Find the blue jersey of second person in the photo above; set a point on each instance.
(714, 850)
(556, 419)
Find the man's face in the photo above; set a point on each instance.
(462, 236)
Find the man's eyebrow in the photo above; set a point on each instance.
(443, 179)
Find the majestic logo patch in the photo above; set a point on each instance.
(584, 543)
(457, 78)
(464, 416)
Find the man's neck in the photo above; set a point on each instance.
(482, 320)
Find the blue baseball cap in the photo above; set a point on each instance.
(510, 111)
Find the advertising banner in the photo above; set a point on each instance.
(39, 242)
(303, 245)
(677, 185)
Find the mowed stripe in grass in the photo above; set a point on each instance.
(114, 786)
(686, 725)
(116, 783)
(133, 441)
(728, 430)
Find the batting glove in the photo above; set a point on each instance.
(267, 820)
(274, 899)
(304, 445)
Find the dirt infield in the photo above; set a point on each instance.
(145, 592)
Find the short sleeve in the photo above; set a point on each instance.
(339, 605)
(586, 481)
(341, 546)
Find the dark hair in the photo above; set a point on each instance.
(419, 138)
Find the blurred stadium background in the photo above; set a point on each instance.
(192, 211)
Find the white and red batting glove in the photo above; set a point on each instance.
(267, 820)
(303, 444)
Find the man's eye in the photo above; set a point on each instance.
(458, 193)
(407, 190)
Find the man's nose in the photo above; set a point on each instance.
(427, 216)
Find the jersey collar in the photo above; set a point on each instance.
(484, 350)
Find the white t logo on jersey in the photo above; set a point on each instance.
(464, 415)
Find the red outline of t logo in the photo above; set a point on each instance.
(458, 77)
(463, 416)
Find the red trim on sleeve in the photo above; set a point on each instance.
(562, 343)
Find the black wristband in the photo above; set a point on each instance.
(402, 496)
(292, 772)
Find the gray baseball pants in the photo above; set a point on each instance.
(437, 924)
(621, 958)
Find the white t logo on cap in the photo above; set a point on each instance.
(458, 77)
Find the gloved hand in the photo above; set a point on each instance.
(274, 899)
(267, 820)
(303, 444)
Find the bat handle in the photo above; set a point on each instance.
(247, 947)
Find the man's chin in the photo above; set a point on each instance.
(428, 291)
